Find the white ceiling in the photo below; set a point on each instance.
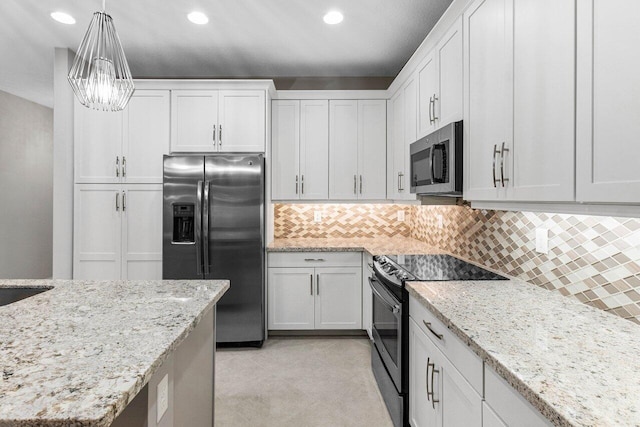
(244, 38)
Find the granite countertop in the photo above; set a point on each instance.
(375, 246)
(577, 365)
(77, 354)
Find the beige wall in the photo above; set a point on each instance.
(26, 165)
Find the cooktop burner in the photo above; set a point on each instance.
(441, 267)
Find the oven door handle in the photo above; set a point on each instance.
(395, 308)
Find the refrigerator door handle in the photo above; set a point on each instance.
(198, 230)
(205, 228)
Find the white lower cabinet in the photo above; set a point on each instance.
(490, 418)
(313, 297)
(367, 294)
(118, 232)
(439, 394)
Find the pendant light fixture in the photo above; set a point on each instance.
(100, 76)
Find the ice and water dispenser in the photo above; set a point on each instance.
(183, 223)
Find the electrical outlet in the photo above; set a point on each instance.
(163, 397)
(440, 221)
(401, 215)
(542, 240)
(317, 216)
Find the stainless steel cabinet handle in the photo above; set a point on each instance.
(117, 201)
(426, 379)
(317, 284)
(117, 166)
(502, 178)
(430, 105)
(311, 284)
(435, 98)
(124, 166)
(355, 183)
(302, 184)
(360, 184)
(214, 135)
(495, 153)
(433, 397)
(400, 181)
(296, 184)
(220, 136)
(124, 201)
(314, 259)
(205, 223)
(198, 229)
(428, 325)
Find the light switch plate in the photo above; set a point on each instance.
(440, 221)
(163, 397)
(400, 215)
(317, 216)
(542, 240)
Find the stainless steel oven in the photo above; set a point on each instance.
(387, 329)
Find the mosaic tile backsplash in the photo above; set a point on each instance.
(593, 259)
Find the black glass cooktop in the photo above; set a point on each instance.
(442, 267)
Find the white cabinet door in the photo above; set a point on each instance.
(241, 121)
(410, 111)
(396, 147)
(449, 58)
(422, 411)
(291, 299)
(96, 243)
(343, 149)
(98, 145)
(145, 136)
(608, 101)
(461, 405)
(338, 302)
(543, 105)
(428, 95)
(372, 146)
(488, 94)
(285, 125)
(490, 418)
(314, 149)
(194, 120)
(142, 232)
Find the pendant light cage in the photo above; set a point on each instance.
(100, 75)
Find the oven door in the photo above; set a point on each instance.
(387, 329)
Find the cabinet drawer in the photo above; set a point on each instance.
(460, 355)
(508, 404)
(315, 259)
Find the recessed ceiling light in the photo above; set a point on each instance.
(63, 18)
(333, 17)
(198, 18)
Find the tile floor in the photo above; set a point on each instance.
(310, 382)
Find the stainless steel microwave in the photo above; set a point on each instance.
(436, 162)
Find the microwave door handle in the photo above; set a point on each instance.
(205, 229)
(393, 307)
(199, 229)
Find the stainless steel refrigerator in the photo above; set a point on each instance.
(213, 228)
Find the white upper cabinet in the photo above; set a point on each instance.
(357, 149)
(488, 93)
(242, 121)
(124, 146)
(98, 145)
(519, 91)
(194, 120)
(343, 149)
(398, 168)
(440, 83)
(372, 146)
(212, 120)
(145, 136)
(428, 95)
(300, 138)
(314, 149)
(608, 101)
(543, 150)
(285, 140)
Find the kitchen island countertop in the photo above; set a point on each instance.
(79, 353)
